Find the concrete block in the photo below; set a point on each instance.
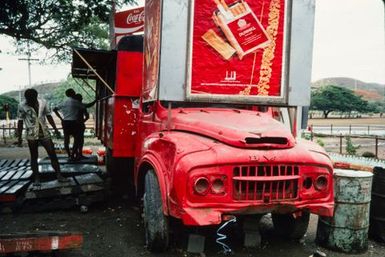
(196, 243)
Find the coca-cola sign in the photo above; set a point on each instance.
(135, 18)
(128, 22)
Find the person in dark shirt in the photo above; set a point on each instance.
(83, 117)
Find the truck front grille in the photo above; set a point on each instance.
(265, 183)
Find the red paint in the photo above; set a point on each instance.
(262, 166)
(125, 126)
(209, 142)
(128, 22)
(39, 242)
(129, 69)
(250, 36)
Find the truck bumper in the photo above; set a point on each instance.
(214, 216)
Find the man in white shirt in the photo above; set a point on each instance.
(70, 111)
(33, 112)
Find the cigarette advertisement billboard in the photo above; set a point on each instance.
(237, 49)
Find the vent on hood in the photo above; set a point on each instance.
(266, 140)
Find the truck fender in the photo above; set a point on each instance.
(148, 162)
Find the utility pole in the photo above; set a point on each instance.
(28, 59)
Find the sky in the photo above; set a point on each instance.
(349, 41)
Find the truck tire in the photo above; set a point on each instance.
(293, 228)
(155, 222)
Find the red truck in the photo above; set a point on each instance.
(200, 115)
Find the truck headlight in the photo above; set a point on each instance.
(218, 186)
(201, 185)
(321, 183)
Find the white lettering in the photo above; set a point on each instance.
(23, 246)
(134, 18)
(247, 31)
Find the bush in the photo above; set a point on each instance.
(320, 142)
(350, 148)
(368, 155)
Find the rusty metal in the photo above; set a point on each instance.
(347, 230)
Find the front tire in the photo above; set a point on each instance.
(288, 226)
(155, 222)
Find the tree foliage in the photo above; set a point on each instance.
(58, 24)
(332, 98)
(12, 103)
(58, 95)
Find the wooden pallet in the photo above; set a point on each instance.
(85, 180)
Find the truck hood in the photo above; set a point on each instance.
(238, 128)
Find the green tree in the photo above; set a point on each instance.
(12, 103)
(332, 98)
(58, 95)
(58, 24)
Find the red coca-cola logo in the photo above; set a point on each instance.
(135, 18)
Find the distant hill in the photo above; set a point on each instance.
(369, 91)
(45, 90)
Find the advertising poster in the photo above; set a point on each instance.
(152, 48)
(237, 48)
(128, 22)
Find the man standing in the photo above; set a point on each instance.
(71, 110)
(83, 117)
(33, 113)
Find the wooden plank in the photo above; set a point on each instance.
(24, 162)
(15, 163)
(28, 174)
(2, 183)
(8, 163)
(40, 242)
(91, 178)
(2, 162)
(71, 168)
(2, 174)
(6, 186)
(17, 186)
(19, 174)
(9, 175)
(63, 159)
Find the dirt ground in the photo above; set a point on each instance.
(113, 228)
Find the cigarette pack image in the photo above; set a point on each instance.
(241, 27)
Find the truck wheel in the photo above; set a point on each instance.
(288, 226)
(155, 222)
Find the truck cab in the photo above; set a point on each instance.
(193, 119)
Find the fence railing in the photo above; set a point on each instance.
(9, 131)
(331, 129)
(364, 143)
